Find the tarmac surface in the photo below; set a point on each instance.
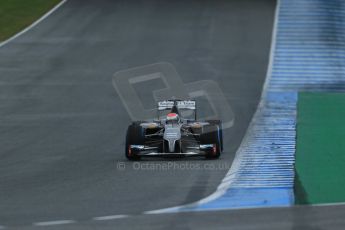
(62, 124)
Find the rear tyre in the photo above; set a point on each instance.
(211, 135)
(135, 136)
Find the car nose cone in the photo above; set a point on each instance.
(172, 134)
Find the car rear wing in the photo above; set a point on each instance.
(185, 104)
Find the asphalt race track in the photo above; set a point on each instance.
(62, 124)
(303, 217)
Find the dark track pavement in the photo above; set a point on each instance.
(294, 218)
(62, 124)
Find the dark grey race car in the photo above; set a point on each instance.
(176, 132)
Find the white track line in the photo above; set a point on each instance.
(113, 217)
(54, 222)
(325, 204)
(33, 24)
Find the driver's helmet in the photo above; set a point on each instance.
(172, 117)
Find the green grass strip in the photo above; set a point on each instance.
(15, 15)
(320, 154)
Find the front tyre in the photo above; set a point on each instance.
(211, 135)
(134, 136)
(219, 124)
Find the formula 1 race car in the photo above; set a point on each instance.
(175, 132)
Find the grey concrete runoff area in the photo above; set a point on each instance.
(62, 124)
